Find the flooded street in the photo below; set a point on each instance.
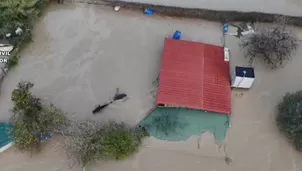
(81, 53)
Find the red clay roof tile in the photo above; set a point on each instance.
(194, 75)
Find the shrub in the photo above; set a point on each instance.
(18, 13)
(289, 118)
(120, 141)
(25, 139)
(14, 14)
(24, 102)
(13, 61)
(113, 141)
(31, 119)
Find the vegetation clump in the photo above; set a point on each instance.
(18, 14)
(112, 141)
(86, 141)
(13, 61)
(289, 118)
(31, 119)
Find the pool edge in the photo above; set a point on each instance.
(7, 146)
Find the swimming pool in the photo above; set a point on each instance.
(5, 140)
(178, 124)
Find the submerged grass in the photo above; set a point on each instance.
(18, 14)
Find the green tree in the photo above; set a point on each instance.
(16, 14)
(289, 118)
(31, 119)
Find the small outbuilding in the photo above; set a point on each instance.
(243, 77)
(194, 94)
(194, 75)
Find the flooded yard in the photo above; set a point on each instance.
(82, 53)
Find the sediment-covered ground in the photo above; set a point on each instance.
(81, 53)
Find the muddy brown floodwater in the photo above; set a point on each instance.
(82, 53)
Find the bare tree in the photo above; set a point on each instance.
(78, 145)
(88, 141)
(272, 45)
(78, 136)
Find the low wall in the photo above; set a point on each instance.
(212, 15)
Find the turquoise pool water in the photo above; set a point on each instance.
(4, 134)
(176, 124)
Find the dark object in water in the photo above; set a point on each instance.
(99, 108)
(228, 160)
(119, 96)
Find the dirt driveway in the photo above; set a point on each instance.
(82, 53)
